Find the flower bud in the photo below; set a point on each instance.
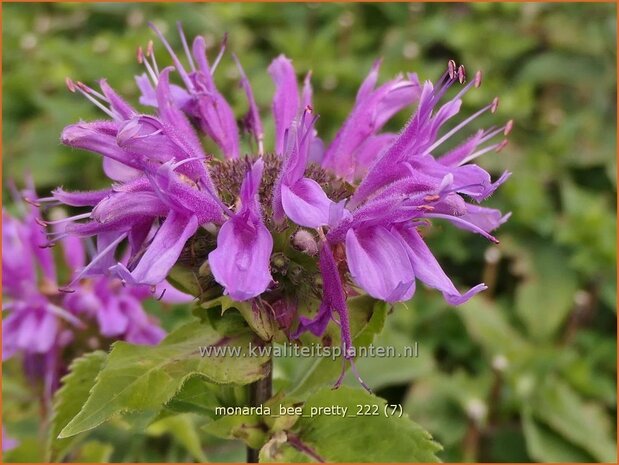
(305, 242)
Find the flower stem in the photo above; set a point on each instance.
(259, 393)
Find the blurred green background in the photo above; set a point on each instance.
(526, 372)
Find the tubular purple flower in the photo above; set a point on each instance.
(285, 100)
(333, 301)
(373, 108)
(166, 178)
(162, 252)
(252, 120)
(378, 263)
(365, 198)
(240, 263)
(412, 149)
(427, 268)
(206, 104)
(302, 199)
(42, 320)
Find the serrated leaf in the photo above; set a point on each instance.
(69, 400)
(197, 396)
(351, 437)
(144, 378)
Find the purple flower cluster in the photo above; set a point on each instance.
(358, 202)
(43, 320)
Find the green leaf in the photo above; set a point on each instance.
(585, 425)
(440, 402)
(144, 378)
(183, 429)
(261, 323)
(248, 428)
(69, 400)
(367, 318)
(379, 372)
(545, 445)
(486, 323)
(541, 311)
(350, 437)
(184, 279)
(197, 396)
(29, 450)
(547, 67)
(94, 452)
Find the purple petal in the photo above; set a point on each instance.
(241, 260)
(99, 137)
(217, 120)
(333, 300)
(379, 264)
(165, 249)
(44, 336)
(148, 97)
(80, 199)
(286, 99)
(487, 219)
(306, 203)
(37, 239)
(177, 194)
(170, 295)
(252, 120)
(213, 111)
(176, 126)
(369, 83)
(428, 270)
(117, 103)
(316, 325)
(300, 141)
(8, 443)
(140, 329)
(112, 321)
(240, 263)
(470, 180)
(457, 155)
(121, 205)
(18, 264)
(74, 253)
(147, 334)
(389, 166)
(373, 108)
(138, 234)
(104, 259)
(118, 171)
(369, 151)
(199, 52)
(143, 136)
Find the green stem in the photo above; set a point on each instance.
(259, 393)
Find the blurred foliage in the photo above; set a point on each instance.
(526, 371)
